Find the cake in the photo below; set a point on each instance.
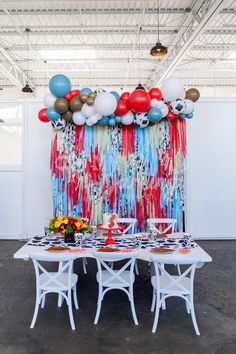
(110, 221)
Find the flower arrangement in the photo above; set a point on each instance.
(67, 225)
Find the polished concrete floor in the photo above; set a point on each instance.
(215, 303)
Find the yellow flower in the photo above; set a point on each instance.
(78, 224)
(57, 223)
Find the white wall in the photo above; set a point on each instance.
(26, 198)
(26, 195)
(211, 169)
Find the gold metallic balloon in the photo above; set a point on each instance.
(67, 116)
(75, 104)
(93, 95)
(83, 98)
(192, 94)
(61, 105)
(90, 101)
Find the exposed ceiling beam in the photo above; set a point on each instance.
(115, 47)
(198, 19)
(12, 71)
(93, 11)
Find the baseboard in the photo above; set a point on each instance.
(214, 237)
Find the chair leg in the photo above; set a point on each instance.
(43, 301)
(136, 267)
(156, 317)
(178, 269)
(36, 309)
(187, 305)
(72, 323)
(75, 298)
(194, 318)
(153, 300)
(99, 305)
(163, 304)
(84, 265)
(60, 300)
(131, 299)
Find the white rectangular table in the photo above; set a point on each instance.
(143, 254)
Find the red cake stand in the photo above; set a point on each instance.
(109, 240)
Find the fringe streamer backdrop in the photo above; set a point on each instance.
(132, 171)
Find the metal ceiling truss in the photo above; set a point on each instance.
(195, 23)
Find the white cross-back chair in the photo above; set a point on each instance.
(63, 282)
(130, 222)
(153, 225)
(166, 285)
(120, 279)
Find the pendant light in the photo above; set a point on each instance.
(27, 88)
(158, 50)
(140, 86)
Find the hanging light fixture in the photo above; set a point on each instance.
(158, 50)
(27, 88)
(140, 86)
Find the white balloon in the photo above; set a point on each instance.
(87, 110)
(93, 118)
(172, 88)
(78, 118)
(99, 90)
(189, 106)
(164, 110)
(105, 103)
(49, 100)
(156, 103)
(90, 122)
(128, 118)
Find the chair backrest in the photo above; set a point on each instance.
(174, 283)
(165, 225)
(106, 260)
(131, 222)
(52, 279)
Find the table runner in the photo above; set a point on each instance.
(121, 242)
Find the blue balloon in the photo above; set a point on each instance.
(59, 85)
(189, 115)
(112, 122)
(52, 114)
(116, 94)
(118, 119)
(154, 114)
(103, 121)
(182, 116)
(85, 91)
(112, 115)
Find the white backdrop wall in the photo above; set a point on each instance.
(211, 169)
(26, 197)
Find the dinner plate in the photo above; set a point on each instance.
(57, 249)
(108, 249)
(162, 250)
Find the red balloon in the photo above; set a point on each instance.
(75, 93)
(155, 93)
(42, 115)
(170, 116)
(122, 108)
(68, 96)
(139, 101)
(125, 96)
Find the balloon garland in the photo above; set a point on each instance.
(109, 108)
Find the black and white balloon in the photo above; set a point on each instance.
(141, 119)
(178, 106)
(99, 90)
(189, 107)
(58, 124)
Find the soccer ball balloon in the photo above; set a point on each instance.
(178, 106)
(58, 124)
(141, 119)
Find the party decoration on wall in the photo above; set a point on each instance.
(139, 107)
(124, 169)
(118, 153)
